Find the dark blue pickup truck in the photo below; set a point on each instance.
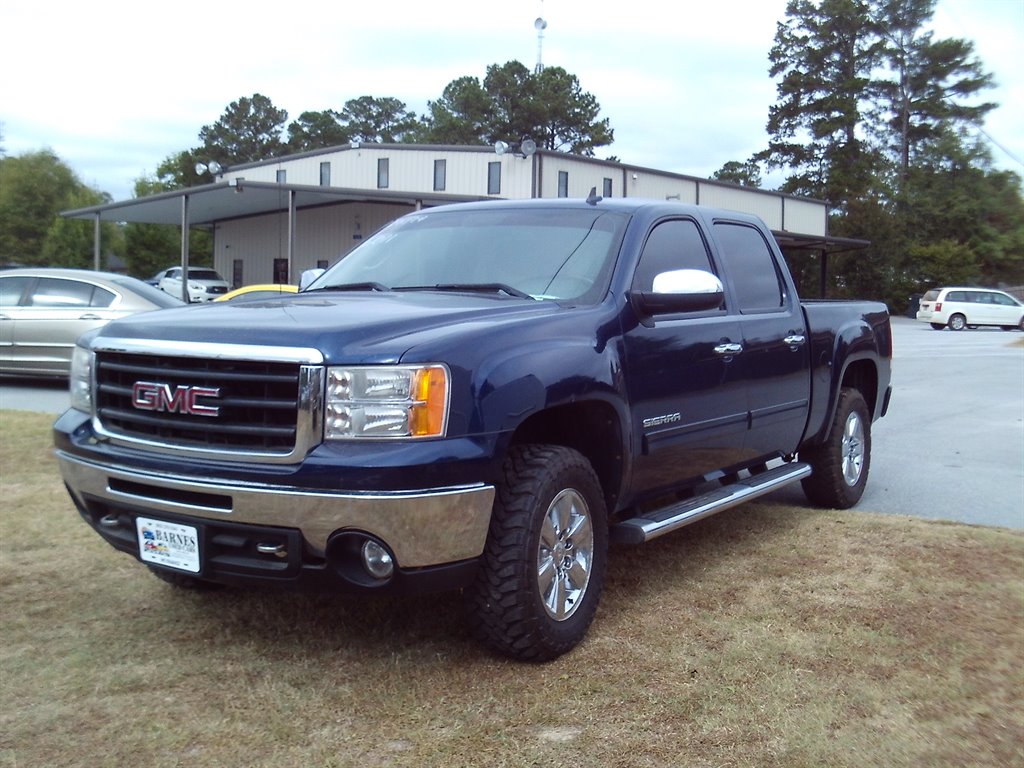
(479, 397)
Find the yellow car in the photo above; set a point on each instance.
(263, 291)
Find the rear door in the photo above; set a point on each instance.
(53, 316)
(688, 404)
(774, 366)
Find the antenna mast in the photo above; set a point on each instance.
(540, 25)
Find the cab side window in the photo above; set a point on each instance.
(751, 266)
(674, 244)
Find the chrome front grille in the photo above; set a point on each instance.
(229, 407)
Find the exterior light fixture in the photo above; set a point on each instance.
(212, 167)
(524, 148)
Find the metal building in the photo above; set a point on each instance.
(275, 218)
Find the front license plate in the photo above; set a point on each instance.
(169, 544)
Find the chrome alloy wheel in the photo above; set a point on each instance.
(853, 449)
(565, 554)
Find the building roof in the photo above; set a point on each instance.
(210, 203)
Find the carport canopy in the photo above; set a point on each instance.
(209, 203)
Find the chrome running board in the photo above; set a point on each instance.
(658, 522)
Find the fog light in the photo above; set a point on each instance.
(377, 560)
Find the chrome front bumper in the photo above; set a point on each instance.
(422, 528)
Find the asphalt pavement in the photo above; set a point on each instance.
(950, 448)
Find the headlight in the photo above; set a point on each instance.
(394, 401)
(80, 380)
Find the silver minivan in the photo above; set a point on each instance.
(959, 308)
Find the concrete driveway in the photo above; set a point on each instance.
(951, 448)
(952, 444)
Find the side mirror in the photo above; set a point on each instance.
(308, 277)
(681, 290)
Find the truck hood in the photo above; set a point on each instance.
(347, 328)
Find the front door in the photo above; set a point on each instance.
(688, 400)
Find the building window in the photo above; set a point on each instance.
(494, 178)
(440, 171)
(607, 188)
(563, 183)
(325, 174)
(282, 176)
(237, 273)
(382, 173)
(321, 263)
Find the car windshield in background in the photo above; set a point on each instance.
(203, 274)
(564, 254)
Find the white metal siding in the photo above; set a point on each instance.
(805, 217)
(768, 207)
(654, 186)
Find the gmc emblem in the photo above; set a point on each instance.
(150, 396)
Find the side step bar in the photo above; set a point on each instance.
(658, 522)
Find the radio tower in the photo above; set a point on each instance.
(540, 25)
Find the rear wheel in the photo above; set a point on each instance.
(842, 462)
(957, 322)
(543, 567)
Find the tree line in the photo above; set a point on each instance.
(874, 114)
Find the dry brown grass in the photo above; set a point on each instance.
(767, 636)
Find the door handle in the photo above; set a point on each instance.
(89, 316)
(728, 348)
(795, 340)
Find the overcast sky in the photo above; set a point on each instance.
(114, 87)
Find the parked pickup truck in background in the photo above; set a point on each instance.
(479, 397)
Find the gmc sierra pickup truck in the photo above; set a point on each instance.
(478, 397)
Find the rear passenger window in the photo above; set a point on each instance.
(751, 267)
(675, 244)
(69, 293)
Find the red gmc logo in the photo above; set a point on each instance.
(151, 396)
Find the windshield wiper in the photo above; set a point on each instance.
(483, 288)
(368, 286)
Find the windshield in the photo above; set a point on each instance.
(562, 254)
(203, 274)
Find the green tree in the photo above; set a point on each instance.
(380, 120)
(512, 103)
(461, 116)
(179, 171)
(317, 130)
(926, 83)
(249, 130)
(566, 116)
(824, 56)
(746, 174)
(35, 187)
(71, 242)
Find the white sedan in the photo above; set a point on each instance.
(204, 284)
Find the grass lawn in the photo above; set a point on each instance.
(764, 636)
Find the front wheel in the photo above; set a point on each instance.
(957, 322)
(542, 570)
(840, 465)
